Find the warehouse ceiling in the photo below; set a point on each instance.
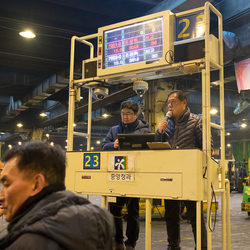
(34, 72)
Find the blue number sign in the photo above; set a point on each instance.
(91, 161)
(190, 26)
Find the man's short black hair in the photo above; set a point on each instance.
(180, 94)
(39, 157)
(130, 105)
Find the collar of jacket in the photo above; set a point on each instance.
(183, 117)
(31, 202)
(130, 127)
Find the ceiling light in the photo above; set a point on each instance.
(105, 115)
(74, 124)
(43, 114)
(2, 133)
(243, 125)
(47, 135)
(19, 125)
(52, 143)
(10, 146)
(92, 148)
(98, 142)
(213, 111)
(228, 133)
(19, 143)
(228, 145)
(27, 34)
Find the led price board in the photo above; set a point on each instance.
(135, 44)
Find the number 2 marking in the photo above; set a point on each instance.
(88, 160)
(199, 19)
(185, 20)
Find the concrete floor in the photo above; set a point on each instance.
(240, 222)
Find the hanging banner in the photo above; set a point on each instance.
(242, 72)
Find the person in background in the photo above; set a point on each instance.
(41, 213)
(182, 130)
(129, 124)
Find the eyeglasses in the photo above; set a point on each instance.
(127, 114)
(173, 103)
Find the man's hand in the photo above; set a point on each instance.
(162, 126)
(116, 144)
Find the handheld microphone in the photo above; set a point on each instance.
(168, 115)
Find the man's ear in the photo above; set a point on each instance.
(137, 114)
(38, 184)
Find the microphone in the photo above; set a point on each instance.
(168, 115)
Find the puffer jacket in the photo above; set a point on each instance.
(186, 132)
(137, 127)
(61, 220)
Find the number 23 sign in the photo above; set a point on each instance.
(91, 161)
(190, 26)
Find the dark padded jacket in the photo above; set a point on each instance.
(137, 127)
(186, 132)
(60, 220)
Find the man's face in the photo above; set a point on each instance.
(128, 115)
(176, 106)
(16, 189)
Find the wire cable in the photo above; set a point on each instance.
(210, 212)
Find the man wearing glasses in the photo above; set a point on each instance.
(182, 130)
(129, 124)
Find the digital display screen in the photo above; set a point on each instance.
(139, 42)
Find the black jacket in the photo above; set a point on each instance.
(59, 220)
(137, 127)
(186, 132)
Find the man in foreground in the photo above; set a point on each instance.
(129, 124)
(182, 130)
(41, 214)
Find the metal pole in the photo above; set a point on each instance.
(208, 120)
(72, 94)
(89, 119)
(198, 225)
(228, 215)
(148, 225)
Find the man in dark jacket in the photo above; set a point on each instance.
(41, 214)
(129, 124)
(182, 130)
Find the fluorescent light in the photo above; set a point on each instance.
(27, 34)
(213, 111)
(19, 125)
(243, 125)
(43, 114)
(105, 115)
